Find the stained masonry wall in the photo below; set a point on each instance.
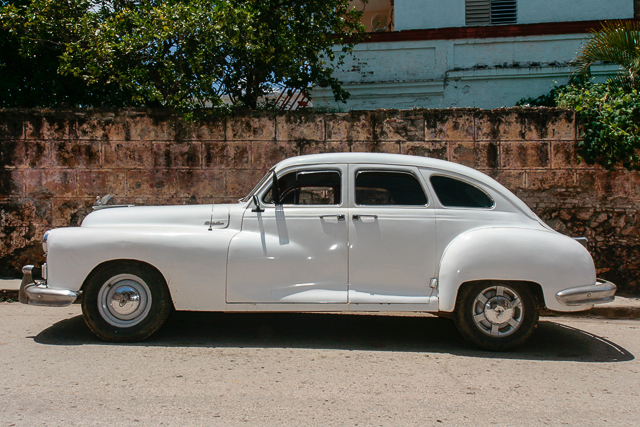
(53, 164)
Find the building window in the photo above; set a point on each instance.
(490, 12)
(636, 8)
(377, 15)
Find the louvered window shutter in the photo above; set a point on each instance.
(503, 12)
(478, 12)
(490, 12)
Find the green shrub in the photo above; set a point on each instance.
(609, 118)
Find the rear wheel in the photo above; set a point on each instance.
(496, 316)
(125, 302)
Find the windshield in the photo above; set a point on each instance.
(257, 187)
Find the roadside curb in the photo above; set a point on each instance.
(600, 312)
(616, 312)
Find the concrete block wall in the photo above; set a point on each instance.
(53, 164)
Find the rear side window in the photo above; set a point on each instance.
(459, 194)
(388, 188)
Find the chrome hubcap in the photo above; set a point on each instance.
(498, 311)
(124, 300)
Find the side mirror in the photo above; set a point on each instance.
(275, 190)
(257, 207)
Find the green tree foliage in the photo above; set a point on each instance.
(287, 42)
(165, 54)
(30, 60)
(618, 42)
(182, 54)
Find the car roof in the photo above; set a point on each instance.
(405, 160)
(386, 159)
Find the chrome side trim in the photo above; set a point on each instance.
(35, 291)
(600, 292)
(97, 208)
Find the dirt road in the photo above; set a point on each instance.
(313, 370)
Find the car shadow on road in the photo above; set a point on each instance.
(551, 341)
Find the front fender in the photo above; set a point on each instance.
(192, 260)
(552, 260)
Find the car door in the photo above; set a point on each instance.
(391, 236)
(295, 252)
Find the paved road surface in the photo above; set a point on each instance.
(313, 370)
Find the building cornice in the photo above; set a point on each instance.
(494, 31)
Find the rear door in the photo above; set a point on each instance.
(391, 236)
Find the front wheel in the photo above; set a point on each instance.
(125, 302)
(496, 316)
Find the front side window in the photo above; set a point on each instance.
(454, 193)
(308, 188)
(388, 188)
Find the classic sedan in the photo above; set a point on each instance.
(329, 232)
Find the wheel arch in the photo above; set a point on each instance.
(121, 261)
(534, 287)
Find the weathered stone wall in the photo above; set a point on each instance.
(54, 163)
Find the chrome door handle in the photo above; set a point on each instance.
(339, 216)
(358, 216)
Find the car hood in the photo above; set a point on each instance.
(188, 215)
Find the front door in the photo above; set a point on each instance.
(295, 252)
(391, 237)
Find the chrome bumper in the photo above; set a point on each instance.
(35, 291)
(600, 292)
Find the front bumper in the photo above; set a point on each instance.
(34, 290)
(600, 292)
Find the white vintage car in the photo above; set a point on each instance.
(331, 233)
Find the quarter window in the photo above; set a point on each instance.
(308, 188)
(388, 188)
(459, 194)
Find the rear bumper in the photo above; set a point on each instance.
(600, 292)
(34, 290)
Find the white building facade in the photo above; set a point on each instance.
(467, 53)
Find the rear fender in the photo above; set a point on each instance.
(550, 259)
